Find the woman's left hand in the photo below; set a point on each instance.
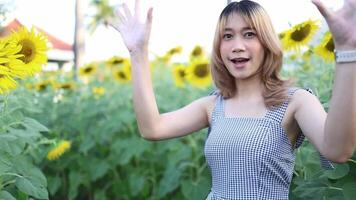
(342, 23)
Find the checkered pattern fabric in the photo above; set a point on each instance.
(249, 158)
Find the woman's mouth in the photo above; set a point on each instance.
(239, 62)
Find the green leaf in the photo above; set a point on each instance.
(54, 183)
(32, 182)
(137, 182)
(120, 188)
(32, 124)
(5, 162)
(170, 181)
(21, 133)
(312, 188)
(340, 171)
(75, 179)
(98, 169)
(87, 144)
(11, 144)
(349, 191)
(4, 195)
(196, 190)
(100, 195)
(32, 187)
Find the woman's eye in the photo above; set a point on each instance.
(227, 36)
(250, 34)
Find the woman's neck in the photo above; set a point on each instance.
(249, 88)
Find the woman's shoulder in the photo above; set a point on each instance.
(208, 101)
(210, 98)
(302, 96)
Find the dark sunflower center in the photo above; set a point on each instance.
(88, 70)
(121, 75)
(117, 61)
(197, 51)
(181, 73)
(330, 45)
(174, 51)
(201, 70)
(281, 35)
(42, 87)
(28, 50)
(301, 33)
(66, 86)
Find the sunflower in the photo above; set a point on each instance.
(98, 91)
(43, 85)
(117, 61)
(300, 35)
(179, 75)
(196, 53)
(122, 75)
(88, 69)
(59, 150)
(198, 73)
(173, 51)
(326, 48)
(33, 49)
(65, 86)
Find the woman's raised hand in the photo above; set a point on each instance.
(134, 30)
(342, 23)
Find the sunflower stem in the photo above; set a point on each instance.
(351, 160)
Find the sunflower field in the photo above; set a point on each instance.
(66, 138)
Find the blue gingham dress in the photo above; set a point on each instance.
(250, 158)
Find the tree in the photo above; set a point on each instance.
(79, 37)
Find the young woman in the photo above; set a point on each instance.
(255, 119)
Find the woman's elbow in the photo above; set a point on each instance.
(342, 157)
(150, 137)
(149, 134)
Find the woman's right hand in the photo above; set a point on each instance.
(134, 31)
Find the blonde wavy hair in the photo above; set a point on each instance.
(275, 89)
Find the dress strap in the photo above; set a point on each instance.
(276, 113)
(218, 111)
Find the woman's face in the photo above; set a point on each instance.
(240, 48)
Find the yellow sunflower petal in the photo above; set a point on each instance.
(59, 150)
(326, 48)
(179, 75)
(6, 84)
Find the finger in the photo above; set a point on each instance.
(322, 9)
(117, 20)
(111, 23)
(126, 10)
(149, 17)
(137, 7)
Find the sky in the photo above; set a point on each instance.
(175, 22)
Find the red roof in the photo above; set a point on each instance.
(56, 43)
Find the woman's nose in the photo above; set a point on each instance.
(238, 46)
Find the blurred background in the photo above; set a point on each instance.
(67, 125)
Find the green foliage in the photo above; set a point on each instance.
(20, 136)
(108, 158)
